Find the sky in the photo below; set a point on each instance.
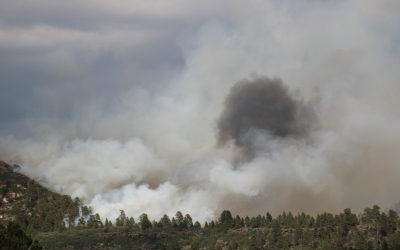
(118, 102)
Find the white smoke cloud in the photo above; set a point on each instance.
(153, 149)
(162, 200)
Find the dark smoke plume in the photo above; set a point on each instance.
(261, 104)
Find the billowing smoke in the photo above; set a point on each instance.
(261, 104)
(136, 106)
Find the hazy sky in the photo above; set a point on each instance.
(57, 57)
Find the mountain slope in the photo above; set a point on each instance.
(30, 204)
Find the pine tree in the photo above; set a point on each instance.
(107, 223)
(226, 218)
(188, 221)
(180, 220)
(268, 218)
(247, 221)
(197, 226)
(238, 222)
(121, 220)
(165, 221)
(144, 222)
(131, 223)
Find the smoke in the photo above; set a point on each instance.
(261, 104)
(152, 115)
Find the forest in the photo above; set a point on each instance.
(372, 229)
(33, 217)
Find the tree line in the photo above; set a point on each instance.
(371, 229)
(38, 216)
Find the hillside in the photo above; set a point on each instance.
(46, 219)
(30, 204)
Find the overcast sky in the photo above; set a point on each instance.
(57, 56)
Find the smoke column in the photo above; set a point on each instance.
(261, 104)
(153, 115)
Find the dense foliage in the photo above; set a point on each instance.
(12, 236)
(372, 229)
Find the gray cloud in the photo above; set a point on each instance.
(49, 71)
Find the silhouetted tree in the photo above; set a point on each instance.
(226, 218)
(188, 221)
(144, 222)
(122, 219)
(165, 221)
(180, 221)
(197, 225)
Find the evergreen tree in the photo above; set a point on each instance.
(121, 220)
(188, 221)
(107, 223)
(165, 221)
(174, 223)
(372, 218)
(268, 218)
(238, 222)
(180, 221)
(392, 222)
(247, 221)
(226, 218)
(131, 223)
(144, 222)
(212, 224)
(347, 221)
(197, 226)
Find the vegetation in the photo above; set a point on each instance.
(12, 236)
(33, 206)
(33, 217)
(372, 229)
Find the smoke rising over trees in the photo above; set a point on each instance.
(102, 102)
(262, 104)
(58, 228)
